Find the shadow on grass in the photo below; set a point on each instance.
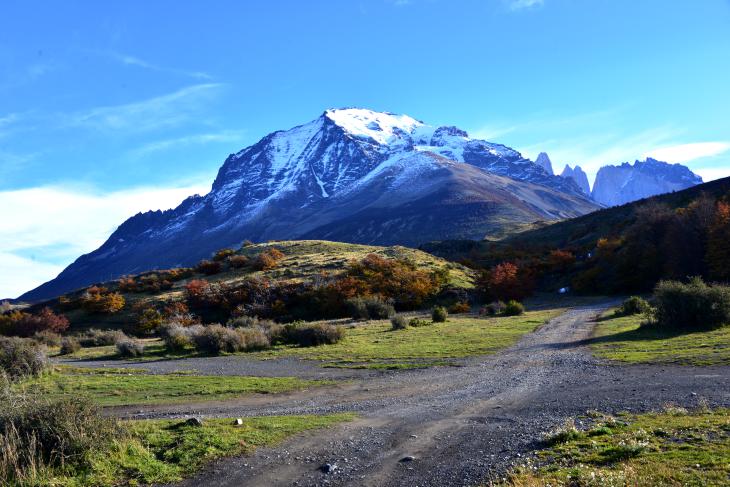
(643, 333)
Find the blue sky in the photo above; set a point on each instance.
(109, 108)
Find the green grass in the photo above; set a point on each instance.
(669, 448)
(375, 345)
(121, 387)
(161, 451)
(622, 339)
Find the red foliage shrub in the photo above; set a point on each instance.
(22, 324)
(507, 281)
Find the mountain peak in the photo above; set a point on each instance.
(379, 126)
(543, 160)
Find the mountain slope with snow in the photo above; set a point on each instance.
(353, 175)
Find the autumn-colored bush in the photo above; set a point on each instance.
(397, 279)
(209, 267)
(149, 320)
(223, 254)
(22, 324)
(507, 281)
(461, 307)
(100, 300)
(561, 260)
(268, 259)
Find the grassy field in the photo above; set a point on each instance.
(622, 339)
(119, 387)
(674, 447)
(375, 345)
(162, 451)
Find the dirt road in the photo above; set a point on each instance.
(453, 425)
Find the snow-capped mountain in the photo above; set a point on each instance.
(352, 175)
(616, 185)
(579, 176)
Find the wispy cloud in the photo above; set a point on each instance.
(71, 222)
(688, 152)
(129, 60)
(515, 5)
(188, 140)
(153, 113)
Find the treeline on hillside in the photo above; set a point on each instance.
(656, 242)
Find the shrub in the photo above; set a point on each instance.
(149, 320)
(461, 307)
(398, 279)
(374, 308)
(129, 347)
(268, 259)
(439, 314)
(357, 309)
(99, 300)
(416, 322)
(22, 324)
(379, 309)
(243, 322)
(633, 305)
(216, 339)
(692, 306)
(238, 261)
(308, 335)
(209, 267)
(38, 434)
(399, 322)
(223, 254)
(492, 309)
(178, 338)
(100, 338)
(513, 308)
(20, 358)
(47, 338)
(69, 345)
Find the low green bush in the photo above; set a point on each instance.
(691, 306)
(439, 314)
(492, 309)
(633, 305)
(370, 308)
(416, 322)
(399, 322)
(513, 308)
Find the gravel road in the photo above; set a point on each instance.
(451, 425)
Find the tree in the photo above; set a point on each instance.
(718, 244)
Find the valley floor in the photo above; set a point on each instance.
(464, 425)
